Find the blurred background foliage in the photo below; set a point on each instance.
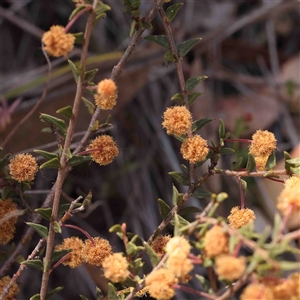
(250, 51)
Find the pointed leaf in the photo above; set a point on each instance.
(226, 150)
(40, 229)
(89, 75)
(101, 8)
(77, 160)
(115, 228)
(286, 158)
(147, 25)
(221, 129)
(74, 70)
(56, 122)
(175, 195)
(53, 292)
(192, 97)
(87, 200)
(66, 111)
(4, 160)
(236, 165)
(200, 123)
(137, 265)
(44, 212)
(178, 98)
(79, 37)
(76, 11)
(193, 82)
(244, 186)
(295, 170)
(185, 47)
(294, 161)
(5, 192)
(180, 177)
(168, 57)
(154, 258)
(164, 208)
(271, 162)
(58, 254)
(180, 138)
(250, 163)
(161, 40)
(46, 154)
(34, 263)
(112, 293)
(199, 193)
(89, 105)
(35, 297)
(172, 11)
(51, 164)
(57, 227)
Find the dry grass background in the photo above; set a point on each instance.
(250, 49)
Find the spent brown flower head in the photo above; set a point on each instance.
(23, 167)
(107, 94)
(7, 227)
(159, 244)
(290, 196)
(263, 143)
(104, 149)
(180, 265)
(216, 242)
(177, 120)
(95, 254)
(75, 258)
(230, 268)
(57, 42)
(159, 284)
(240, 217)
(178, 244)
(257, 291)
(115, 267)
(194, 149)
(4, 281)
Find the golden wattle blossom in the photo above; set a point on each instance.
(159, 244)
(178, 244)
(107, 94)
(230, 268)
(288, 288)
(194, 149)
(4, 281)
(104, 149)
(160, 284)
(95, 254)
(115, 267)
(7, 228)
(240, 217)
(57, 42)
(75, 257)
(177, 120)
(257, 291)
(216, 242)
(23, 167)
(290, 195)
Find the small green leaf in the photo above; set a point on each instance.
(185, 169)
(131, 249)
(112, 293)
(286, 158)
(46, 154)
(87, 200)
(89, 105)
(244, 186)
(5, 192)
(221, 129)
(168, 57)
(83, 297)
(288, 265)
(164, 208)
(271, 162)
(222, 196)
(189, 210)
(44, 212)
(4, 160)
(101, 8)
(66, 111)
(34, 263)
(36, 297)
(178, 98)
(56, 122)
(147, 25)
(180, 138)
(193, 82)
(51, 164)
(58, 254)
(161, 40)
(226, 150)
(77, 160)
(172, 11)
(53, 292)
(192, 97)
(200, 123)
(277, 225)
(154, 258)
(89, 75)
(236, 165)
(40, 229)
(180, 177)
(175, 195)
(79, 38)
(199, 193)
(115, 228)
(250, 163)
(295, 170)
(74, 70)
(56, 227)
(132, 27)
(294, 161)
(137, 265)
(185, 47)
(76, 11)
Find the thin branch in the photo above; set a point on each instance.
(263, 174)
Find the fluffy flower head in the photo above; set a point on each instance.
(7, 227)
(263, 143)
(229, 267)
(177, 120)
(75, 258)
(95, 254)
(23, 167)
(105, 151)
(107, 94)
(289, 288)
(159, 284)
(4, 281)
(240, 217)
(57, 42)
(115, 267)
(257, 291)
(194, 149)
(178, 244)
(215, 242)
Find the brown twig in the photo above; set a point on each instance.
(264, 174)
